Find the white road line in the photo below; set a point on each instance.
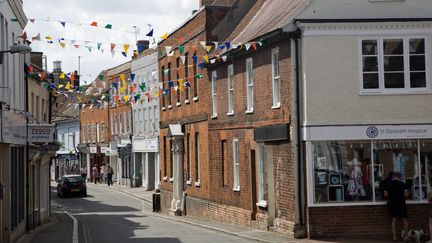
(75, 227)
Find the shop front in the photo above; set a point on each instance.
(146, 162)
(346, 169)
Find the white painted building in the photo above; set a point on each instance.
(145, 141)
(12, 123)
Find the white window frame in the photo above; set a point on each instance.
(120, 123)
(276, 95)
(236, 165)
(144, 112)
(151, 124)
(230, 78)
(112, 124)
(125, 126)
(214, 94)
(249, 85)
(102, 132)
(89, 137)
(97, 133)
(382, 89)
(198, 161)
(261, 176)
(155, 120)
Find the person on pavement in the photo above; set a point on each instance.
(102, 173)
(95, 174)
(83, 173)
(397, 193)
(110, 173)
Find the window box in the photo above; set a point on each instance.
(262, 204)
(197, 183)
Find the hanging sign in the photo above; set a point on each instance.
(40, 133)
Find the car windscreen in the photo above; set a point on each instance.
(74, 179)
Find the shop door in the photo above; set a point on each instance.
(254, 184)
(151, 171)
(270, 185)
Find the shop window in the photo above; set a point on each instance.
(394, 64)
(356, 171)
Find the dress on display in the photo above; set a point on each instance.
(355, 185)
(399, 163)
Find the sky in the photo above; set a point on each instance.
(162, 15)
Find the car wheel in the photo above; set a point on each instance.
(84, 194)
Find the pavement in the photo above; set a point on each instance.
(236, 230)
(50, 232)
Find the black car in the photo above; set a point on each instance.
(71, 184)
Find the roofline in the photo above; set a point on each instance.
(367, 20)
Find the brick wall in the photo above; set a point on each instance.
(361, 221)
(92, 117)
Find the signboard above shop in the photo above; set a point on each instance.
(40, 133)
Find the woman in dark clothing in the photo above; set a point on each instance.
(396, 192)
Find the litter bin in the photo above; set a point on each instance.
(156, 201)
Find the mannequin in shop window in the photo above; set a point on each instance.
(366, 177)
(399, 163)
(355, 186)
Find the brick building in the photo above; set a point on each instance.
(94, 126)
(120, 120)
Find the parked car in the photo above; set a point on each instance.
(71, 184)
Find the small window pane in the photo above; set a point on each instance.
(394, 80)
(369, 47)
(370, 81)
(417, 63)
(393, 47)
(418, 80)
(370, 64)
(417, 46)
(393, 63)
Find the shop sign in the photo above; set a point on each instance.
(103, 150)
(93, 150)
(40, 133)
(152, 145)
(371, 132)
(13, 127)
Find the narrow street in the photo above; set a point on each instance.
(109, 216)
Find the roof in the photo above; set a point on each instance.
(65, 114)
(273, 15)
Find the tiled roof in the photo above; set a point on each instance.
(273, 15)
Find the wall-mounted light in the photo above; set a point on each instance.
(17, 48)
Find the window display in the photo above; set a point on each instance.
(356, 171)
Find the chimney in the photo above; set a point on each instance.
(57, 66)
(206, 2)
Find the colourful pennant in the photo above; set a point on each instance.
(126, 48)
(94, 23)
(150, 33)
(108, 26)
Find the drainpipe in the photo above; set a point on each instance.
(27, 167)
(300, 231)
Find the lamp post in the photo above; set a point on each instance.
(17, 48)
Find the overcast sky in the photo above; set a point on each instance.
(163, 15)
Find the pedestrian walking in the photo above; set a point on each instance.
(102, 173)
(95, 174)
(110, 173)
(76, 170)
(83, 172)
(396, 192)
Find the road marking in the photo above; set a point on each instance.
(109, 213)
(75, 227)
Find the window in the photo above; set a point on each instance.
(275, 78)
(171, 171)
(102, 132)
(71, 138)
(129, 115)
(144, 115)
(112, 124)
(224, 163)
(63, 139)
(97, 133)
(139, 120)
(93, 133)
(186, 75)
(249, 85)
(116, 122)
(164, 156)
(230, 89)
(195, 84)
(89, 138)
(170, 91)
(163, 87)
(135, 122)
(214, 94)
(197, 158)
(236, 165)
(189, 157)
(394, 64)
(354, 171)
(150, 115)
(179, 88)
(125, 122)
(262, 176)
(156, 122)
(120, 124)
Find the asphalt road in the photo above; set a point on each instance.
(109, 216)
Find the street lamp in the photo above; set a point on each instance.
(17, 48)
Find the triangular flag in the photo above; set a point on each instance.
(140, 48)
(164, 36)
(50, 42)
(62, 75)
(224, 58)
(123, 77)
(195, 59)
(63, 23)
(126, 47)
(89, 48)
(247, 45)
(124, 54)
(132, 76)
(72, 77)
(101, 77)
(122, 90)
(72, 42)
(131, 88)
(253, 44)
(235, 46)
(181, 49)
(213, 61)
(180, 81)
(36, 38)
(183, 59)
(43, 75)
(67, 86)
(215, 44)
(201, 65)
(94, 24)
(180, 39)
(24, 35)
(48, 37)
(208, 48)
(99, 45)
(168, 49)
(203, 44)
(156, 93)
(170, 84)
(112, 47)
(143, 87)
(222, 47)
(63, 44)
(150, 33)
(108, 26)
(187, 84)
(206, 58)
(260, 42)
(32, 20)
(77, 46)
(170, 54)
(126, 98)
